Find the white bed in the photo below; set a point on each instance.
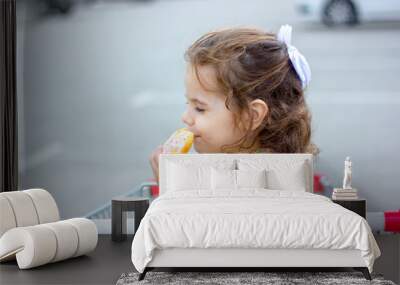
(227, 217)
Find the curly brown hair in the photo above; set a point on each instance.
(252, 64)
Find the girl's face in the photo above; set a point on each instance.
(206, 114)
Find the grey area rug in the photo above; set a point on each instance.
(228, 278)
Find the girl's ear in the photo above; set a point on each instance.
(259, 110)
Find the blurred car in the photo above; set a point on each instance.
(348, 12)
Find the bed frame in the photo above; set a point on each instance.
(250, 259)
(234, 259)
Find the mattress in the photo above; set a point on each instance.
(250, 219)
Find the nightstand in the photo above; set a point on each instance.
(119, 207)
(358, 206)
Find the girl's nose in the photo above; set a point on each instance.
(187, 119)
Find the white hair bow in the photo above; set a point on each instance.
(299, 62)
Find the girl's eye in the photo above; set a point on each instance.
(196, 108)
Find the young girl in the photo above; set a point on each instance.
(244, 90)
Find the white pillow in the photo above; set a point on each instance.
(251, 178)
(237, 179)
(223, 179)
(282, 174)
(182, 177)
(293, 178)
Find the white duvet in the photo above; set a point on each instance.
(252, 218)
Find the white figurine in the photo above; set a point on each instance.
(347, 174)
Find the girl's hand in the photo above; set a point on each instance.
(154, 158)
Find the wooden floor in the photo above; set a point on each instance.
(102, 266)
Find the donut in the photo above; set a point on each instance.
(179, 142)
